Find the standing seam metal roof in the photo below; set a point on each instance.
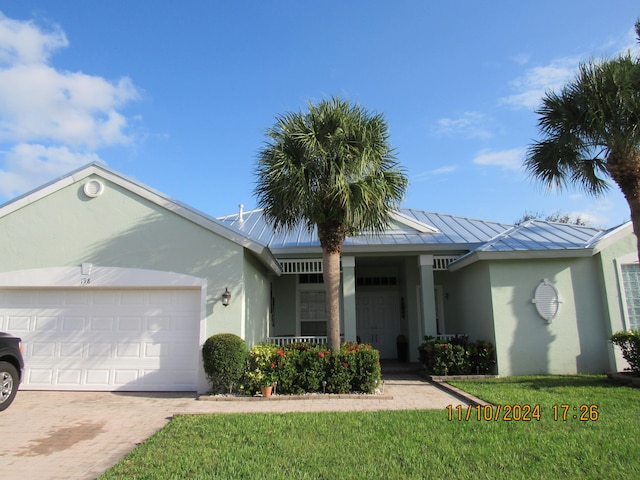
(450, 230)
(458, 232)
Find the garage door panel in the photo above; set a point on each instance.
(101, 324)
(98, 377)
(17, 324)
(70, 377)
(41, 350)
(106, 339)
(43, 324)
(38, 376)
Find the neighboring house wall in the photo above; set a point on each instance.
(575, 341)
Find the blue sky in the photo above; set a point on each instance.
(178, 95)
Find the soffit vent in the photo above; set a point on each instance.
(547, 300)
(93, 188)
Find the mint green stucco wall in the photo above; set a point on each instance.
(469, 306)
(575, 341)
(122, 229)
(257, 295)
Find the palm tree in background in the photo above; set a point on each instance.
(331, 168)
(592, 132)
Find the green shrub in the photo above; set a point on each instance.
(312, 368)
(287, 369)
(338, 374)
(302, 367)
(224, 357)
(457, 357)
(482, 356)
(629, 343)
(366, 366)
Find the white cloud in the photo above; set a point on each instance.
(38, 103)
(27, 166)
(508, 159)
(536, 81)
(469, 124)
(25, 43)
(532, 86)
(437, 172)
(51, 120)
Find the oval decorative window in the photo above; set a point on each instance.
(547, 301)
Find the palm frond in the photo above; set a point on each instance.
(333, 163)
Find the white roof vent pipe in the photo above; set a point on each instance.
(241, 213)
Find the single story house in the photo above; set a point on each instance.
(115, 286)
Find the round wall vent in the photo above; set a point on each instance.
(547, 301)
(93, 188)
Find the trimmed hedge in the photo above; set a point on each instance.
(629, 343)
(224, 357)
(457, 356)
(302, 368)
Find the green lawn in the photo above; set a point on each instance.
(411, 444)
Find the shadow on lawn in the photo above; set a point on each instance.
(545, 382)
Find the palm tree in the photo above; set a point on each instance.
(592, 132)
(331, 168)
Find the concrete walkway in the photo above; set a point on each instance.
(79, 435)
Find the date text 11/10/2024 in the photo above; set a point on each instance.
(523, 413)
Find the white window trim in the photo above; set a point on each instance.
(630, 259)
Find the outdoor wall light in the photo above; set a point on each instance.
(226, 296)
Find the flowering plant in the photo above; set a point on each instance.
(269, 376)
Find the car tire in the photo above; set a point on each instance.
(9, 382)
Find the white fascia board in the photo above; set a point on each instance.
(611, 237)
(477, 256)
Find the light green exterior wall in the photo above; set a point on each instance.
(469, 306)
(122, 229)
(257, 296)
(575, 341)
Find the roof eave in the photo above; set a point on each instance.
(477, 256)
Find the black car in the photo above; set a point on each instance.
(11, 365)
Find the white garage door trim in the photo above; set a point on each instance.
(109, 328)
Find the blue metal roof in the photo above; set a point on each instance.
(542, 235)
(412, 229)
(439, 230)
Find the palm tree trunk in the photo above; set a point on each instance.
(634, 205)
(625, 171)
(331, 269)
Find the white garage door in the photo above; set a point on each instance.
(102, 339)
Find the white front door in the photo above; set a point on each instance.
(378, 319)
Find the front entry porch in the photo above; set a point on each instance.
(383, 299)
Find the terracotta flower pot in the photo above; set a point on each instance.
(266, 391)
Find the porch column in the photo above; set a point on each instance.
(349, 298)
(429, 326)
